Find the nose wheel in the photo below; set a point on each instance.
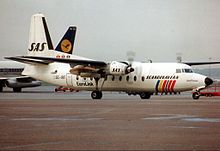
(195, 95)
(96, 94)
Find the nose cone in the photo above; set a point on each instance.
(208, 81)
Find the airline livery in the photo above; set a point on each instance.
(142, 78)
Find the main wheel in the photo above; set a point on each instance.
(195, 95)
(145, 95)
(1, 89)
(96, 94)
(17, 89)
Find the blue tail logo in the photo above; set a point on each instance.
(66, 44)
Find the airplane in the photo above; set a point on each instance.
(10, 76)
(81, 73)
(10, 71)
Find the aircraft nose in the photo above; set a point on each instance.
(208, 81)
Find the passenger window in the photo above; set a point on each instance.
(142, 78)
(127, 78)
(120, 78)
(113, 78)
(135, 78)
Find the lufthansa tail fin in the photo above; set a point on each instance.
(39, 36)
(66, 44)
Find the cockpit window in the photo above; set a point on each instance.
(188, 70)
(178, 70)
(184, 71)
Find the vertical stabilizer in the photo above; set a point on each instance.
(39, 36)
(66, 44)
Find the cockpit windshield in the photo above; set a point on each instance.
(187, 70)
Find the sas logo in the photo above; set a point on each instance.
(165, 85)
(37, 46)
(66, 45)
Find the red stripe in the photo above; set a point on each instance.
(169, 85)
(166, 89)
(172, 86)
(164, 84)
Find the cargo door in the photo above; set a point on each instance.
(69, 79)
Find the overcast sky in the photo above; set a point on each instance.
(108, 29)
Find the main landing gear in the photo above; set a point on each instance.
(17, 89)
(96, 94)
(145, 95)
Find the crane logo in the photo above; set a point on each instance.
(66, 45)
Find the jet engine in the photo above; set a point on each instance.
(120, 68)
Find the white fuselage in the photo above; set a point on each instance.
(147, 77)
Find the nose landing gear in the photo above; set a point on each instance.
(195, 95)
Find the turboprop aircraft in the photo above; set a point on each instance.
(10, 71)
(143, 78)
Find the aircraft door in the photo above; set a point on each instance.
(69, 79)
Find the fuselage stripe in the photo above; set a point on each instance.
(169, 84)
(164, 84)
(160, 85)
(156, 88)
(172, 86)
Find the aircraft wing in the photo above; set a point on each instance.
(199, 63)
(27, 60)
(47, 60)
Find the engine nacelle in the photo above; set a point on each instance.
(119, 68)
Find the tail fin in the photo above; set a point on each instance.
(39, 37)
(66, 44)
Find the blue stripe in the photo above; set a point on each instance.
(156, 88)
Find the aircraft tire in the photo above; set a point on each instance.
(1, 89)
(195, 95)
(145, 95)
(96, 94)
(17, 89)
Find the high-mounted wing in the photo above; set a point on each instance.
(82, 67)
(69, 61)
(27, 60)
(47, 60)
(199, 63)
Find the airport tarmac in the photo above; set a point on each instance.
(41, 119)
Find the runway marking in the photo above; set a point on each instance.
(167, 117)
(55, 119)
(197, 119)
(33, 145)
(187, 118)
(186, 127)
